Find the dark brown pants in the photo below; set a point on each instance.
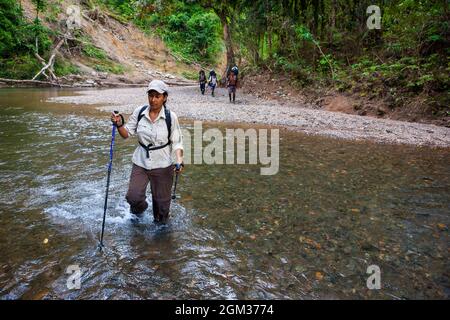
(161, 186)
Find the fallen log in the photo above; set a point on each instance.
(34, 83)
(39, 83)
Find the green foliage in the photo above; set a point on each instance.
(407, 71)
(423, 25)
(304, 34)
(12, 27)
(298, 70)
(195, 36)
(18, 41)
(320, 41)
(40, 6)
(126, 9)
(311, 41)
(109, 66)
(53, 10)
(189, 30)
(192, 75)
(16, 35)
(19, 67)
(65, 67)
(42, 33)
(96, 57)
(91, 51)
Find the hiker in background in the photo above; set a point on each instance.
(212, 81)
(159, 135)
(231, 85)
(202, 81)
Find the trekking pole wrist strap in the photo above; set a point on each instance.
(123, 122)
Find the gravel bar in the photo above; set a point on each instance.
(187, 102)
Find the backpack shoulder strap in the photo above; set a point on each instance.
(168, 122)
(141, 114)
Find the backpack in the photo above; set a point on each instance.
(235, 70)
(168, 119)
(232, 79)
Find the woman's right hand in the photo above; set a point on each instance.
(117, 119)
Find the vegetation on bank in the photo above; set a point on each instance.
(329, 43)
(325, 43)
(190, 31)
(21, 40)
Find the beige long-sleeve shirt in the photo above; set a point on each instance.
(154, 132)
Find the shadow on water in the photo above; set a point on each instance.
(311, 231)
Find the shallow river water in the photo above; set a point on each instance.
(311, 231)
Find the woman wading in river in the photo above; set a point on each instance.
(159, 136)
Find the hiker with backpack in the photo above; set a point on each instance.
(212, 81)
(231, 85)
(159, 135)
(202, 81)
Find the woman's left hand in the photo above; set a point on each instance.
(179, 167)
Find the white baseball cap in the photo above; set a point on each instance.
(158, 86)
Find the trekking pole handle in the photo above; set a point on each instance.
(178, 166)
(121, 117)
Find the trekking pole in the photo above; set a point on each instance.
(107, 181)
(176, 181)
(175, 187)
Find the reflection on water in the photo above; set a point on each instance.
(311, 231)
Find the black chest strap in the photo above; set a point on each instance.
(151, 146)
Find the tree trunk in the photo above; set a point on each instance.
(269, 29)
(333, 21)
(256, 51)
(315, 18)
(228, 43)
(269, 39)
(262, 41)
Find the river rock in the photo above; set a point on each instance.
(103, 75)
(88, 83)
(381, 111)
